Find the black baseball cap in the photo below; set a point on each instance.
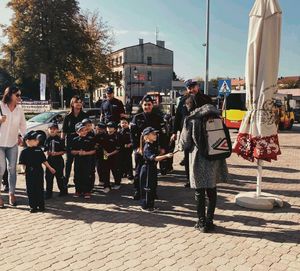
(101, 125)
(79, 126)
(85, 121)
(112, 124)
(148, 131)
(147, 98)
(110, 90)
(53, 125)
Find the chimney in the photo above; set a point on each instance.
(141, 41)
(160, 43)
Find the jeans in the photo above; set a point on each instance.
(11, 155)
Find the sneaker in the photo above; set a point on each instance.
(106, 190)
(41, 209)
(76, 195)
(87, 195)
(149, 210)
(33, 210)
(201, 225)
(130, 177)
(116, 187)
(210, 226)
(182, 163)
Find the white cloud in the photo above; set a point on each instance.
(121, 31)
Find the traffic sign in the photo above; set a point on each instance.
(224, 87)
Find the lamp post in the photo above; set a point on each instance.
(206, 48)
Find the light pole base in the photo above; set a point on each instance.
(266, 201)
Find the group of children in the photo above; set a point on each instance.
(108, 148)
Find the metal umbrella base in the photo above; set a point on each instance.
(265, 201)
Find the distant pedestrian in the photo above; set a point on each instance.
(12, 128)
(112, 109)
(32, 157)
(148, 174)
(75, 115)
(204, 174)
(98, 103)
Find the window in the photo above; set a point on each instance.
(149, 60)
(117, 61)
(149, 76)
(120, 75)
(120, 59)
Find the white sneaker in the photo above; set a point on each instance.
(106, 190)
(116, 187)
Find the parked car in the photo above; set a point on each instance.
(42, 120)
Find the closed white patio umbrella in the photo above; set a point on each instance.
(257, 138)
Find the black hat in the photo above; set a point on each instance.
(85, 121)
(101, 125)
(190, 83)
(148, 130)
(110, 90)
(53, 125)
(79, 126)
(126, 119)
(112, 124)
(147, 98)
(31, 135)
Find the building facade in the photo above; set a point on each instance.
(139, 69)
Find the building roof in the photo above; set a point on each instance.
(287, 79)
(147, 43)
(237, 81)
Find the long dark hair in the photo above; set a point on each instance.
(9, 91)
(73, 100)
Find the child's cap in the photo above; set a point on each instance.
(148, 131)
(79, 126)
(124, 119)
(112, 124)
(53, 125)
(86, 121)
(31, 135)
(101, 125)
(147, 98)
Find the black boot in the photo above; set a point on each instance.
(201, 225)
(210, 226)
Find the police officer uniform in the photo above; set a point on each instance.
(55, 144)
(110, 144)
(126, 153)
(83, 165)
(69, 129)
(111, 110)
(32, 158)
(137, 125)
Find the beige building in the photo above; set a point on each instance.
(139, 69)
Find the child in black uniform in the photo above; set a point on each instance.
(111, 148)
(99, 139)
(91, 136)
(126, 150)
(32, 157)
(148, 175)
(84, 151)
(55, 147)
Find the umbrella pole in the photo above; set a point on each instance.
(259, 177)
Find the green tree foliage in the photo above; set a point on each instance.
(52, 37)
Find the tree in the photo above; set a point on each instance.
(93, 69)
(52, 37)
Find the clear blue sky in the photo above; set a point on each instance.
(181, 24)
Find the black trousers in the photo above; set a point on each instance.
(148, 185)
(186, 164)
(126, 161)
(35, 188)
(111, 165)
(200, 201)
(83, 173)
(99, 166)
(58, 164)
(69, 162)
(139, 161)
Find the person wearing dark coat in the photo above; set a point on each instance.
(147, 118)
(204, 173)
(198, 99)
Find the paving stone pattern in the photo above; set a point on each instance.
(109, 232)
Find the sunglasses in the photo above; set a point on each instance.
(18, 95)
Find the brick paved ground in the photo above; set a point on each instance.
(111, 233)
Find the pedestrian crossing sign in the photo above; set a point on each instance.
(224, 87)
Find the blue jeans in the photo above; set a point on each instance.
(11, 155)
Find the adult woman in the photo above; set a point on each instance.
(204, 174)
(13, 124)
(68, 130)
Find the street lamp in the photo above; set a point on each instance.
(206, 48)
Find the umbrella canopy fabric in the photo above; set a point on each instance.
(257, 137)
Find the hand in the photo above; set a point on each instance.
(173, 137)
(52, 170)
(20, 141)
(169, 155)
(2, 118)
